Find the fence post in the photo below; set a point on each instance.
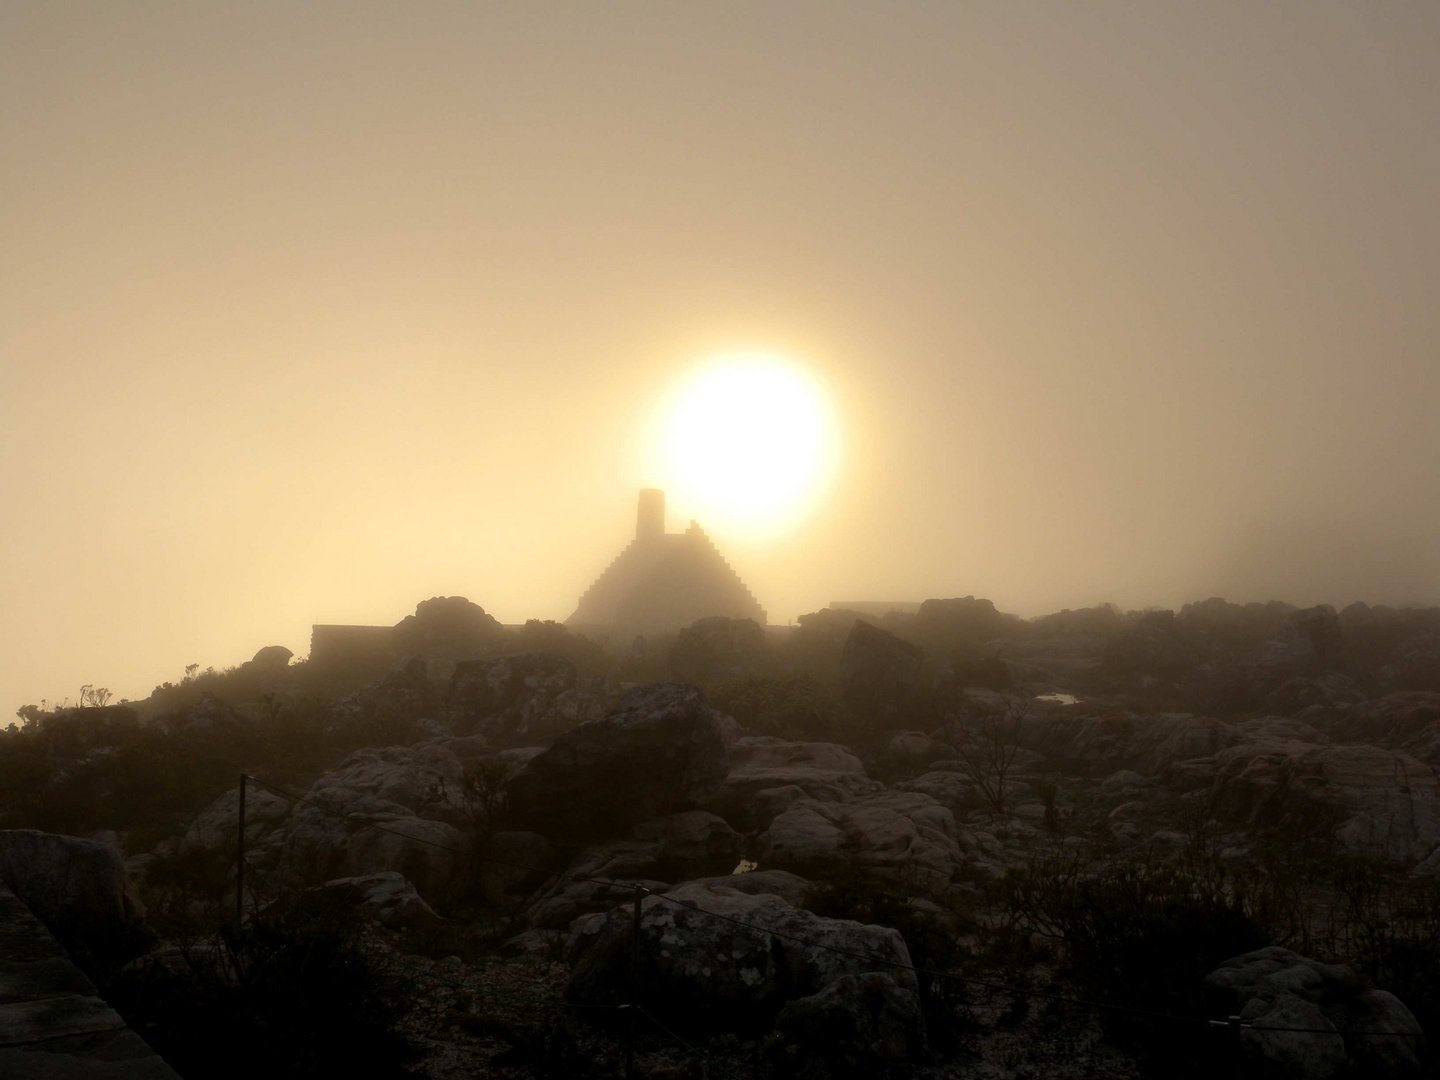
(634, 984)
(240, 859)
(1237, 1048)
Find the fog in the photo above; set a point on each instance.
(312, 312)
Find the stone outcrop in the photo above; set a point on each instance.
(391, 808)
(1381, 803)
(522, 698)
(393, 704)
(661, 751)
(718, 648)
(76, 887)
(767, 774)
(448, 627)
(895, 834)
(386, 898)
(727, 972)
(1277, 988)
(53, 1024)
(271, 660)
(880, 676)
(400, 809)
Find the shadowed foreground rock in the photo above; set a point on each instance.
(1277, 988)
(75, 887)
(53, 1026)
(708, 962)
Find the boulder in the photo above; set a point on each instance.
(1416, 667)
(388, 710)
(661, 751)
(1101, 743)
(891, 833)
(214, 827)
(793, 889)
(75, 887)
(270, 660)
(691, 844)
(658, 853)
(767, 774)
(723, 959)
(387, 808)
(522, 698)
(1328, 691)
(1401, 721)
(948, 786)
(880, 677)
(718, 648)
(386, 898)
(948, 625)
(1277, 988)
(448, 627)
(1380, 803)
(1158, 645)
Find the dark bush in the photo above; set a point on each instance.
(293, 994)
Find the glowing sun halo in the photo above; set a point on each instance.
(748, 443)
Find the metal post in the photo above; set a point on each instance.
(1236, 1047)
(240, 859)
(634, 984)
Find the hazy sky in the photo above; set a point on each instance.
(312, 311)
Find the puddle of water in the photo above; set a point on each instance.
(1058, 699)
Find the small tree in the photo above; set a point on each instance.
(93, 697)
(987, 744)
(483, 794)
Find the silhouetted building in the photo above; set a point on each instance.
(333, 644)
(876, 608)
(664, 581)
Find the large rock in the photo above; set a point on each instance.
(1403, 721)
(386, 898)
(1380, 803)
(523, 698)
(958, 623)
(1101, 743)
(661, 751)
(691, 844)
(880, 677)
(448, 627)
(892, 833)
(389, 808)
(1276, 988)
(389, 710)
(271, 660)
(1158, 645)
(725, 959)
(214, 827)
(75, 887)
(768, 774)
(718, 648)
(658, 853)
(1327, 692)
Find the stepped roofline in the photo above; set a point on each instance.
(663, 581)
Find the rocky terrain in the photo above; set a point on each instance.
(953, 843)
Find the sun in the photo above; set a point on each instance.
(747, 443)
